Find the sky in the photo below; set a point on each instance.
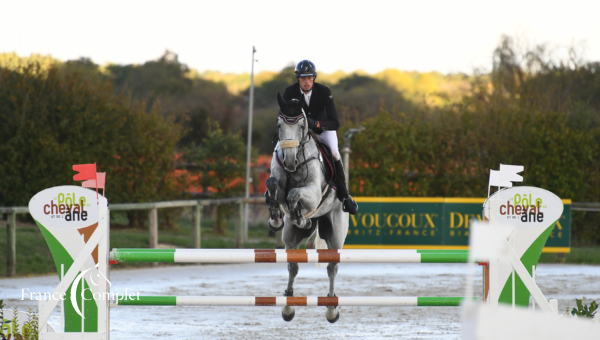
(444, 36)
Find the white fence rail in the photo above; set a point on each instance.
(152, 207)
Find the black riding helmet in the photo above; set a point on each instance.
(305, 68)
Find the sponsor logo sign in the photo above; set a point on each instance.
(65, 207)
(524, 207)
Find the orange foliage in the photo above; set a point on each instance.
(187, 179)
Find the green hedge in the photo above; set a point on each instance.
(50, 120)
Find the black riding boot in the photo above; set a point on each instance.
(350, 205)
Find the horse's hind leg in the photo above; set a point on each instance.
(292, 237)
(288, 313)
(335, 240)
(333, 313)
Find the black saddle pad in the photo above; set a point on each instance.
(328, 165)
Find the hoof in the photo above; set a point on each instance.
(306, 225)
(290, 317)
(274, 229)
(274, 211)
(333, 320)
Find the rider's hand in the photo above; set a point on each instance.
(312, 123)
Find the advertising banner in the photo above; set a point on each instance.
(430, 222)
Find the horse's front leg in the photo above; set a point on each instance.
(302, 198)
(275, 195)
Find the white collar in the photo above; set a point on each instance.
(306, 94)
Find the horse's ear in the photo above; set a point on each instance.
(280, 101)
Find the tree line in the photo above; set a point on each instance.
(426, 134)
(142, 122)
(530, 110)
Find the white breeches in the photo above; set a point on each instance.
(330, 139)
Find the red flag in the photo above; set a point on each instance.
(100, 183)
(86, 171)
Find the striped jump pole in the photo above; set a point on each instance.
(236, 250)
(289, 256)
(390, 301)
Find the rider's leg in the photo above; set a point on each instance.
(330, 139)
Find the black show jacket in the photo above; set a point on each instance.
(321, 106)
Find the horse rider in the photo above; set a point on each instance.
(322, 120)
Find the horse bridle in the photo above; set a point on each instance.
(292, 143)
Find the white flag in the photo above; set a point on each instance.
(496, 182)
(510, 173)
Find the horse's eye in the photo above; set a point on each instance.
(278, 126)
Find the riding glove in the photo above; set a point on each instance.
(312, 123)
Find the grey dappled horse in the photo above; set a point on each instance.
(298, 186)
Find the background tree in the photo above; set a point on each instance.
(219, 164)
(51, 120)
(190, 99)
(152, 79)
(540, 113)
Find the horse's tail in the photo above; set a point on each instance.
(319, 243)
